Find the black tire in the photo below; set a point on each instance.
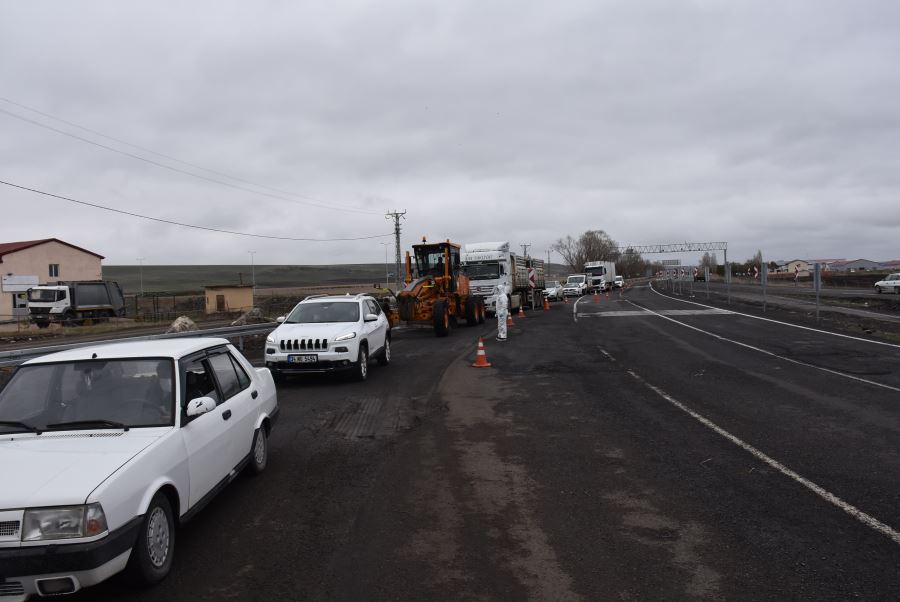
(259, 453)
(277, 377)
(385, 357)
(441, 318)
(471, 312)
(362, 364)
(152, 554)
(43, 324)
(878, 289)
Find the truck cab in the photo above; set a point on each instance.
(48, 301)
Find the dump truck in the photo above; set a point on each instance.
(490, 264)
(436, 291)
(76, 301)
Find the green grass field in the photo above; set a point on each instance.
(192, 278)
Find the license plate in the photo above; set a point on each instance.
(308, 358)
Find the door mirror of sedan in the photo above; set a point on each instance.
(371, 318)
(279, 319)
(200, 405)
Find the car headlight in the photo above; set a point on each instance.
(345, 337)
(65, 522)
(270, 338)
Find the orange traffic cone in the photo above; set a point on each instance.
(521, 311)
(509, 321)
(546, 304)
(480, 357)
(607, 294)
(596, 297)
(565, 300)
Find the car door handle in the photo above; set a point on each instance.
(226, 414)
(254, 394)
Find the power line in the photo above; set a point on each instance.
(307, 201)
(174, 223)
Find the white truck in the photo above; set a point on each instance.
(490, 264)
(575, 286)
(72, 302)
(599, 275)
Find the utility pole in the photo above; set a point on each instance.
(252, 269)
(525, 250)
(396, 215)
(141, 271)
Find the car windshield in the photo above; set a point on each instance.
(89, 394)
(45, 295)
(554, 284)
(575, 280)
(483, 271)
(325, 311)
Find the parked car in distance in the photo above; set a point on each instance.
(618, 282)
(889, 284)
(553, 292)
(328, 334)
(106, 448)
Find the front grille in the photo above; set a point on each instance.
(12, 588)
(9, 528)
(39, 310)
(303, 344)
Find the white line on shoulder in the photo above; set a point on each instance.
(826, 495)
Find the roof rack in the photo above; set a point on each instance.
(315, 296)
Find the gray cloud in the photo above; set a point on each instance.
(768, 126)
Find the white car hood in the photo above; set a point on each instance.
(55, 469)
(326, 330)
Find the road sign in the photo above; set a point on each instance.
(531, 278)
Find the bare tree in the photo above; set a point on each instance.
(593, 245)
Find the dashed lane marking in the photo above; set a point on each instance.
(866, 519)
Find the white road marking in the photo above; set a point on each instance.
(663, 312)
(834, 334)
(769, 353)
(869, 521)
(607, 354)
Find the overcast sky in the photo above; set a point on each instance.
(772, 126)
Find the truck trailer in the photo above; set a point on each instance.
(490, 264)
(76, 301)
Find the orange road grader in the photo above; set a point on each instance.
(437, 291)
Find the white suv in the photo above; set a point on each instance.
(328, 334)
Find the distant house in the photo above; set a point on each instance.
(798, 265)
(857, 265)
(825, 264)
(229, 298)
(31, 262)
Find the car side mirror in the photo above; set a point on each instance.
(371, 318)
(279, 319)
(200, 405)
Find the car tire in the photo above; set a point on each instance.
(441, 318)
(362, 364)
(259, 453)
(151, 557)
(277, 377)
(385, 358)
(878, 289)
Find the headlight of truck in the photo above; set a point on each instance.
(65, 522)
(270, 338)
(345, 337)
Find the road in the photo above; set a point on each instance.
(639, 447)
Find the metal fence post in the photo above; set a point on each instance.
(706, 278)
(765, 281)
(817, 282)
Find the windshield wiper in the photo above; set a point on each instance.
(21, 425)
(99, 423)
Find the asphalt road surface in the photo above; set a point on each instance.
(635, 448)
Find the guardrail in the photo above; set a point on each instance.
(17, 356)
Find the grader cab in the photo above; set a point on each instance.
(437, 291)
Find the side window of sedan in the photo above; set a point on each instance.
(198, 382)
(373, 307)
(226, 375)
(243, 379)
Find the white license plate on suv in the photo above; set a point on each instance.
(307, 358)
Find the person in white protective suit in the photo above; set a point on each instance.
(502, 309)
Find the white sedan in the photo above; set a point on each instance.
(106, 448)
(890, 284)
